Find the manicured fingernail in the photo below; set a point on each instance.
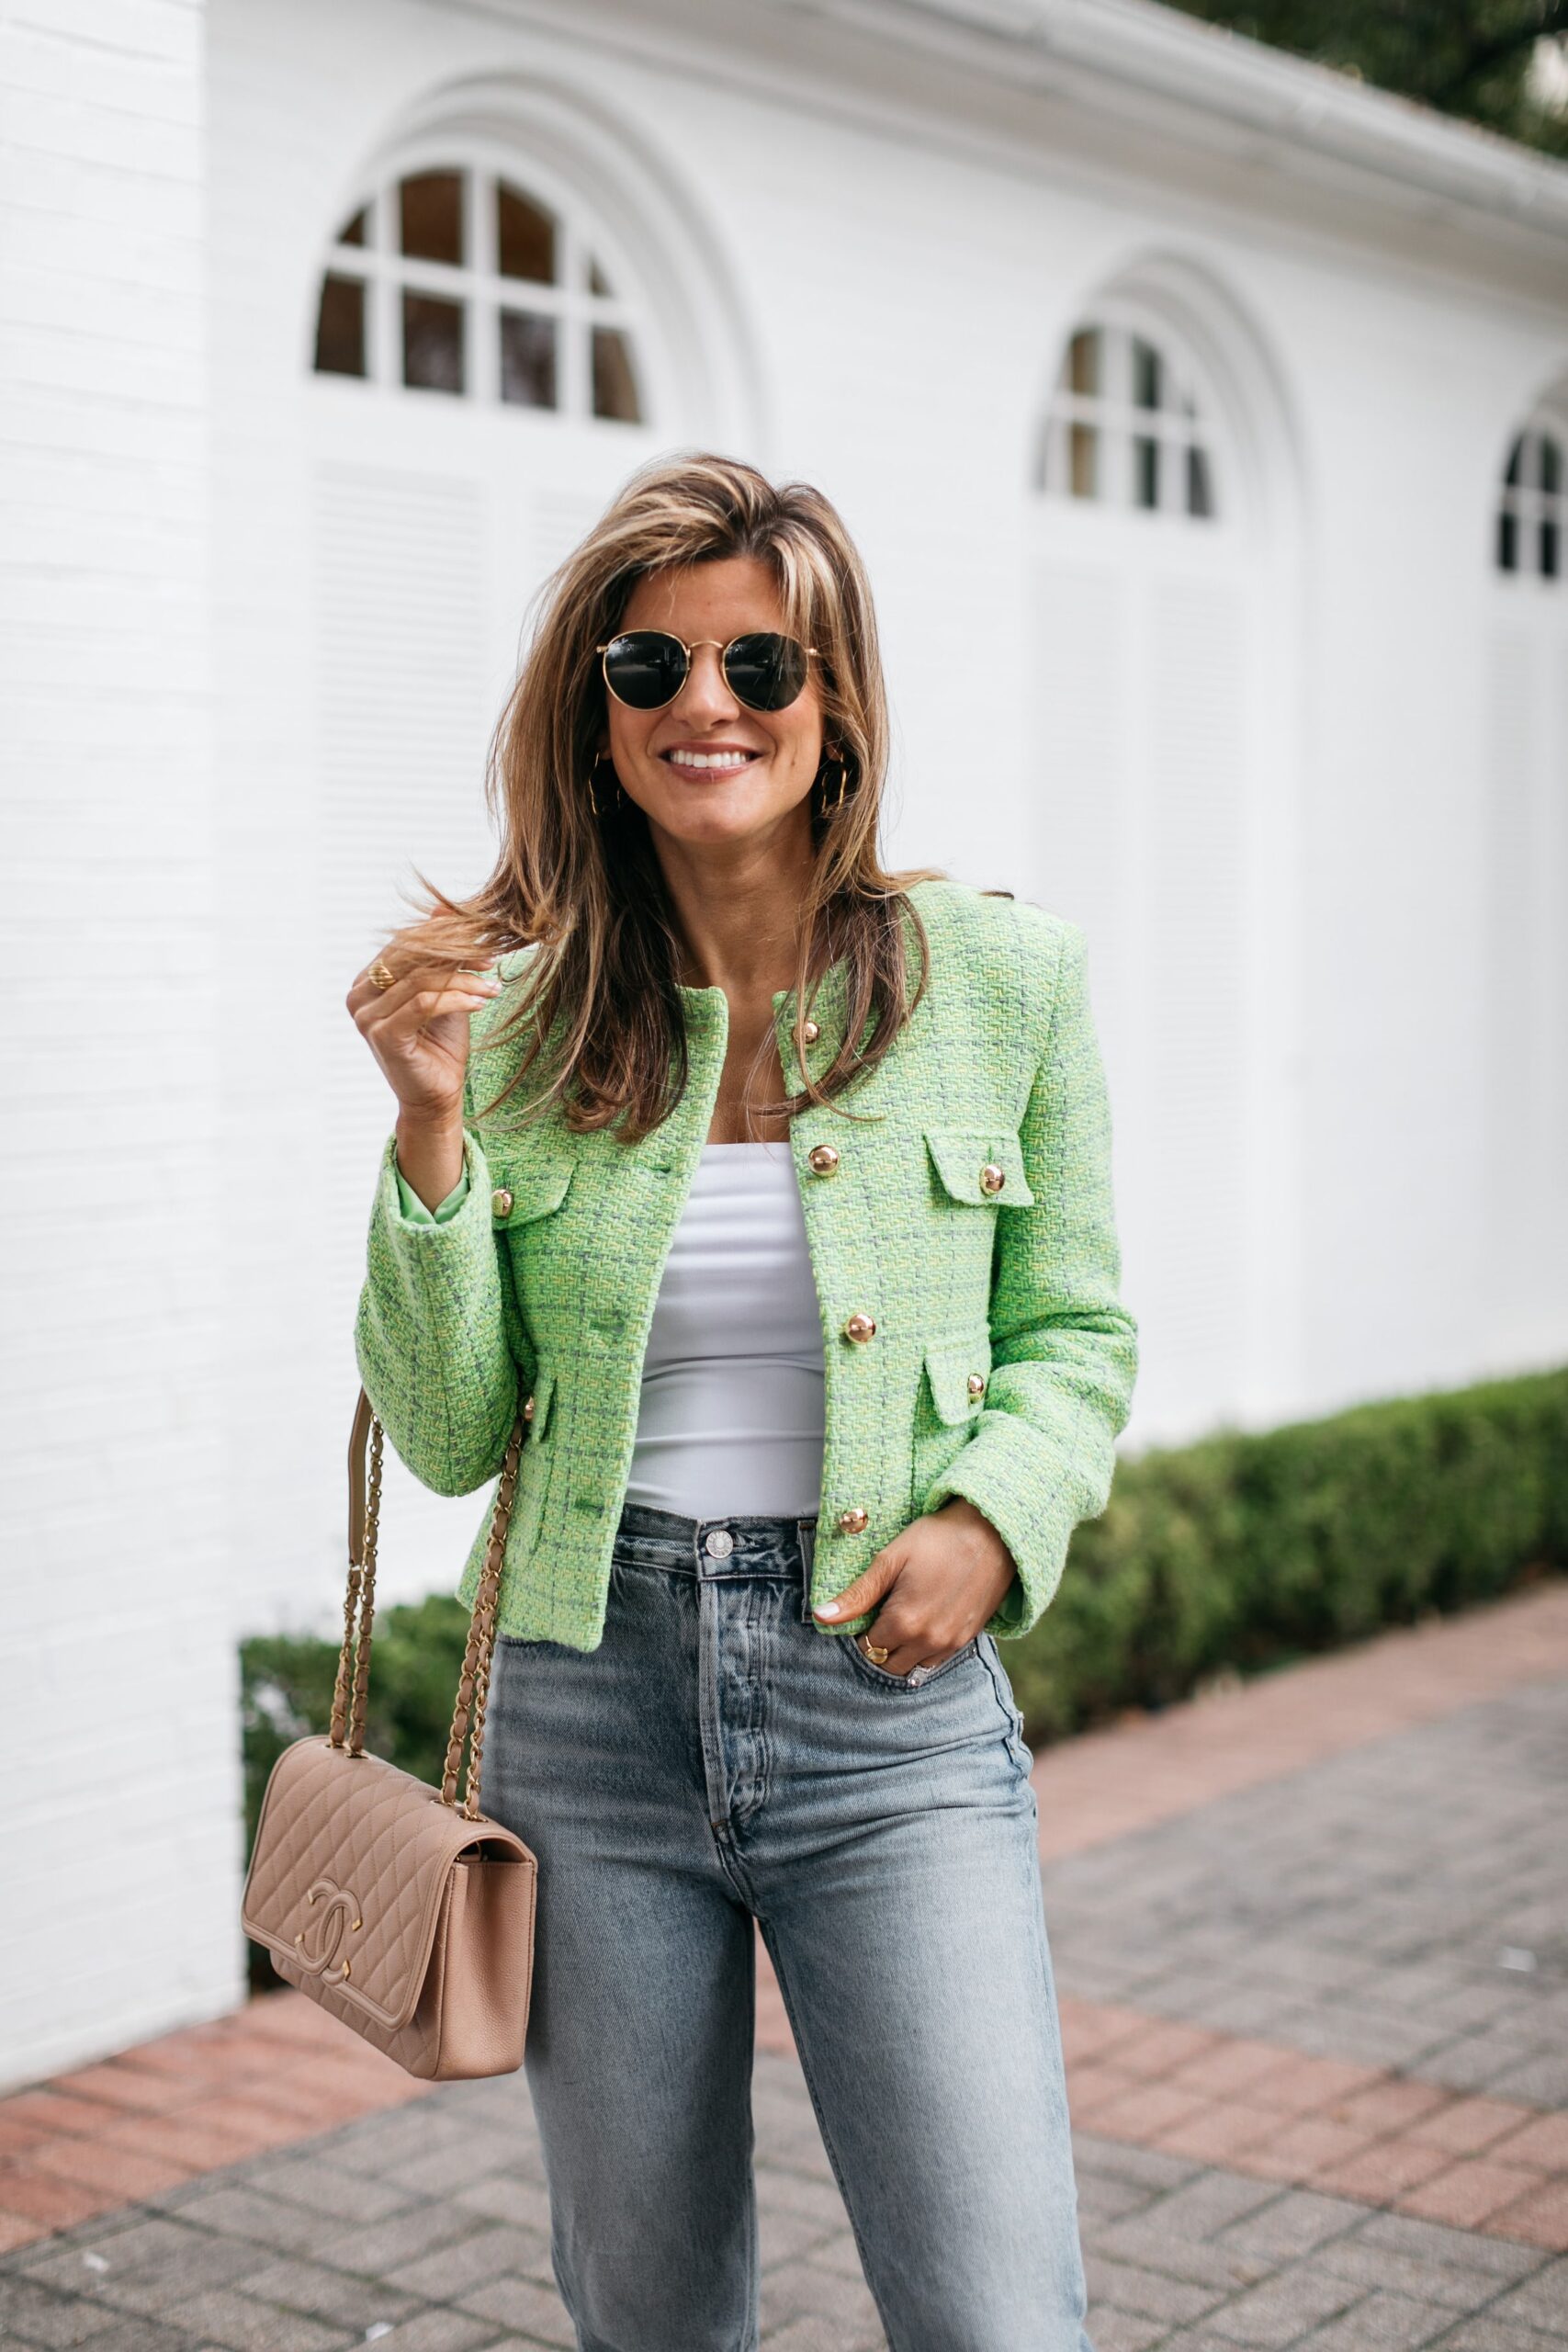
(828, 1608)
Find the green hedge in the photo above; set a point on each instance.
(1238, 1553)
(1246, 1551)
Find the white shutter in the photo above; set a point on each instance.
(403, 714)
(1194, 1108)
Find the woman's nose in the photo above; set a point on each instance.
(706, 696)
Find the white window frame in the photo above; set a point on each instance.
(1531, 504)
(1184, 421)
(483, 292)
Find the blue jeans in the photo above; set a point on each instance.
(718, 1760)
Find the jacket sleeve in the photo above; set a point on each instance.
(432, 1332)
(1063, 1349)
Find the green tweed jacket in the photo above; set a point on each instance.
(959, 1196)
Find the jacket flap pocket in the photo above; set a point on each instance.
(970, 1160)
(529, 1188)
(952, 1367)
(539, 1397)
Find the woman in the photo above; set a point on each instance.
(778, 1186)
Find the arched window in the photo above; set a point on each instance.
(1533, 507)
(1124, 425)
(456, 280)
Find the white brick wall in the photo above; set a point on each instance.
(120, 1839)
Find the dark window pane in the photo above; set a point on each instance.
(615, 386)
(1507, 542)
(1145, 472)
(433, 342)
(357, 229)
(1550, 463)
(1548, 548)
(1516, 462)
(1146, 374)
(340, 327)
(597, 281)
(527, 359)
(525, 237)
(1083, 361)
(431, 214)
(1083, 444)
(1200, 489)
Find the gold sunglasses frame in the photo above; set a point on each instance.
(810, 653)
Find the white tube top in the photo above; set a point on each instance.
(731, 1417)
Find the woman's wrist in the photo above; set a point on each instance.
(430, 1155)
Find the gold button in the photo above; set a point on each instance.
(822, 1160)
(810, 1032)
(860, 1327)
(992, 1177)
(501, 1201)
(977, 1384)
(528, 1409)
(854, 1521)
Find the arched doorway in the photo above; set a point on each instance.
(1527, 882)
(510, 310)
(1165, 647)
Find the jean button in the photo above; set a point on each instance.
(719, 1544)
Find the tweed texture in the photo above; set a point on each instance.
(552, 1292)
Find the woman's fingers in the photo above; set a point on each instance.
(368, 1002)
(903, 1656)
(410, 1015)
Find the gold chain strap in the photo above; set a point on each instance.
(473, 1684)
(350, 1692)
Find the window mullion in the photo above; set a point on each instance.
(483, 357)
(385, 326)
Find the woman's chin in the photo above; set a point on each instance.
(714, 815)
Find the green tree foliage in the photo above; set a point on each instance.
(1476, 59)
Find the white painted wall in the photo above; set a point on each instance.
(859, 264)
(119, 1747)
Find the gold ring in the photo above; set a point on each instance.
(877, 1657)
(381, 975)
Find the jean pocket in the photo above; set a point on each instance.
(922, 1676)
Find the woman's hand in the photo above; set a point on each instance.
(418, 1031)
(938, 1583)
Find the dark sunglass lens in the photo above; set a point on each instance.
(766, 670)
(646, 668)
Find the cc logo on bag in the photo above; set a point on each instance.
(333, 1913)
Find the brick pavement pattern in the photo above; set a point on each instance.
(1400, 1905)
(427, 2231)
(1315, 2031)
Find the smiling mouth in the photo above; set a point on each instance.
(709, 763)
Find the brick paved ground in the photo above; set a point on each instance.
(1361, 1941)
(1405, 1904)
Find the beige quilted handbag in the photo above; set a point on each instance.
(405, 1914)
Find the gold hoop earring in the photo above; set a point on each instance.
(602, 759)
(835, 758)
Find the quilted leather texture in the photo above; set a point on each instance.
(363, 1885)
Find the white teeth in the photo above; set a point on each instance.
(710, 759)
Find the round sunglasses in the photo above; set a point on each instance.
(646, 668)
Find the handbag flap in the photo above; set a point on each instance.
(350, 1861)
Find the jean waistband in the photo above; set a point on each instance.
(734, 1547)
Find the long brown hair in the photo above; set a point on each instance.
(583, 885)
